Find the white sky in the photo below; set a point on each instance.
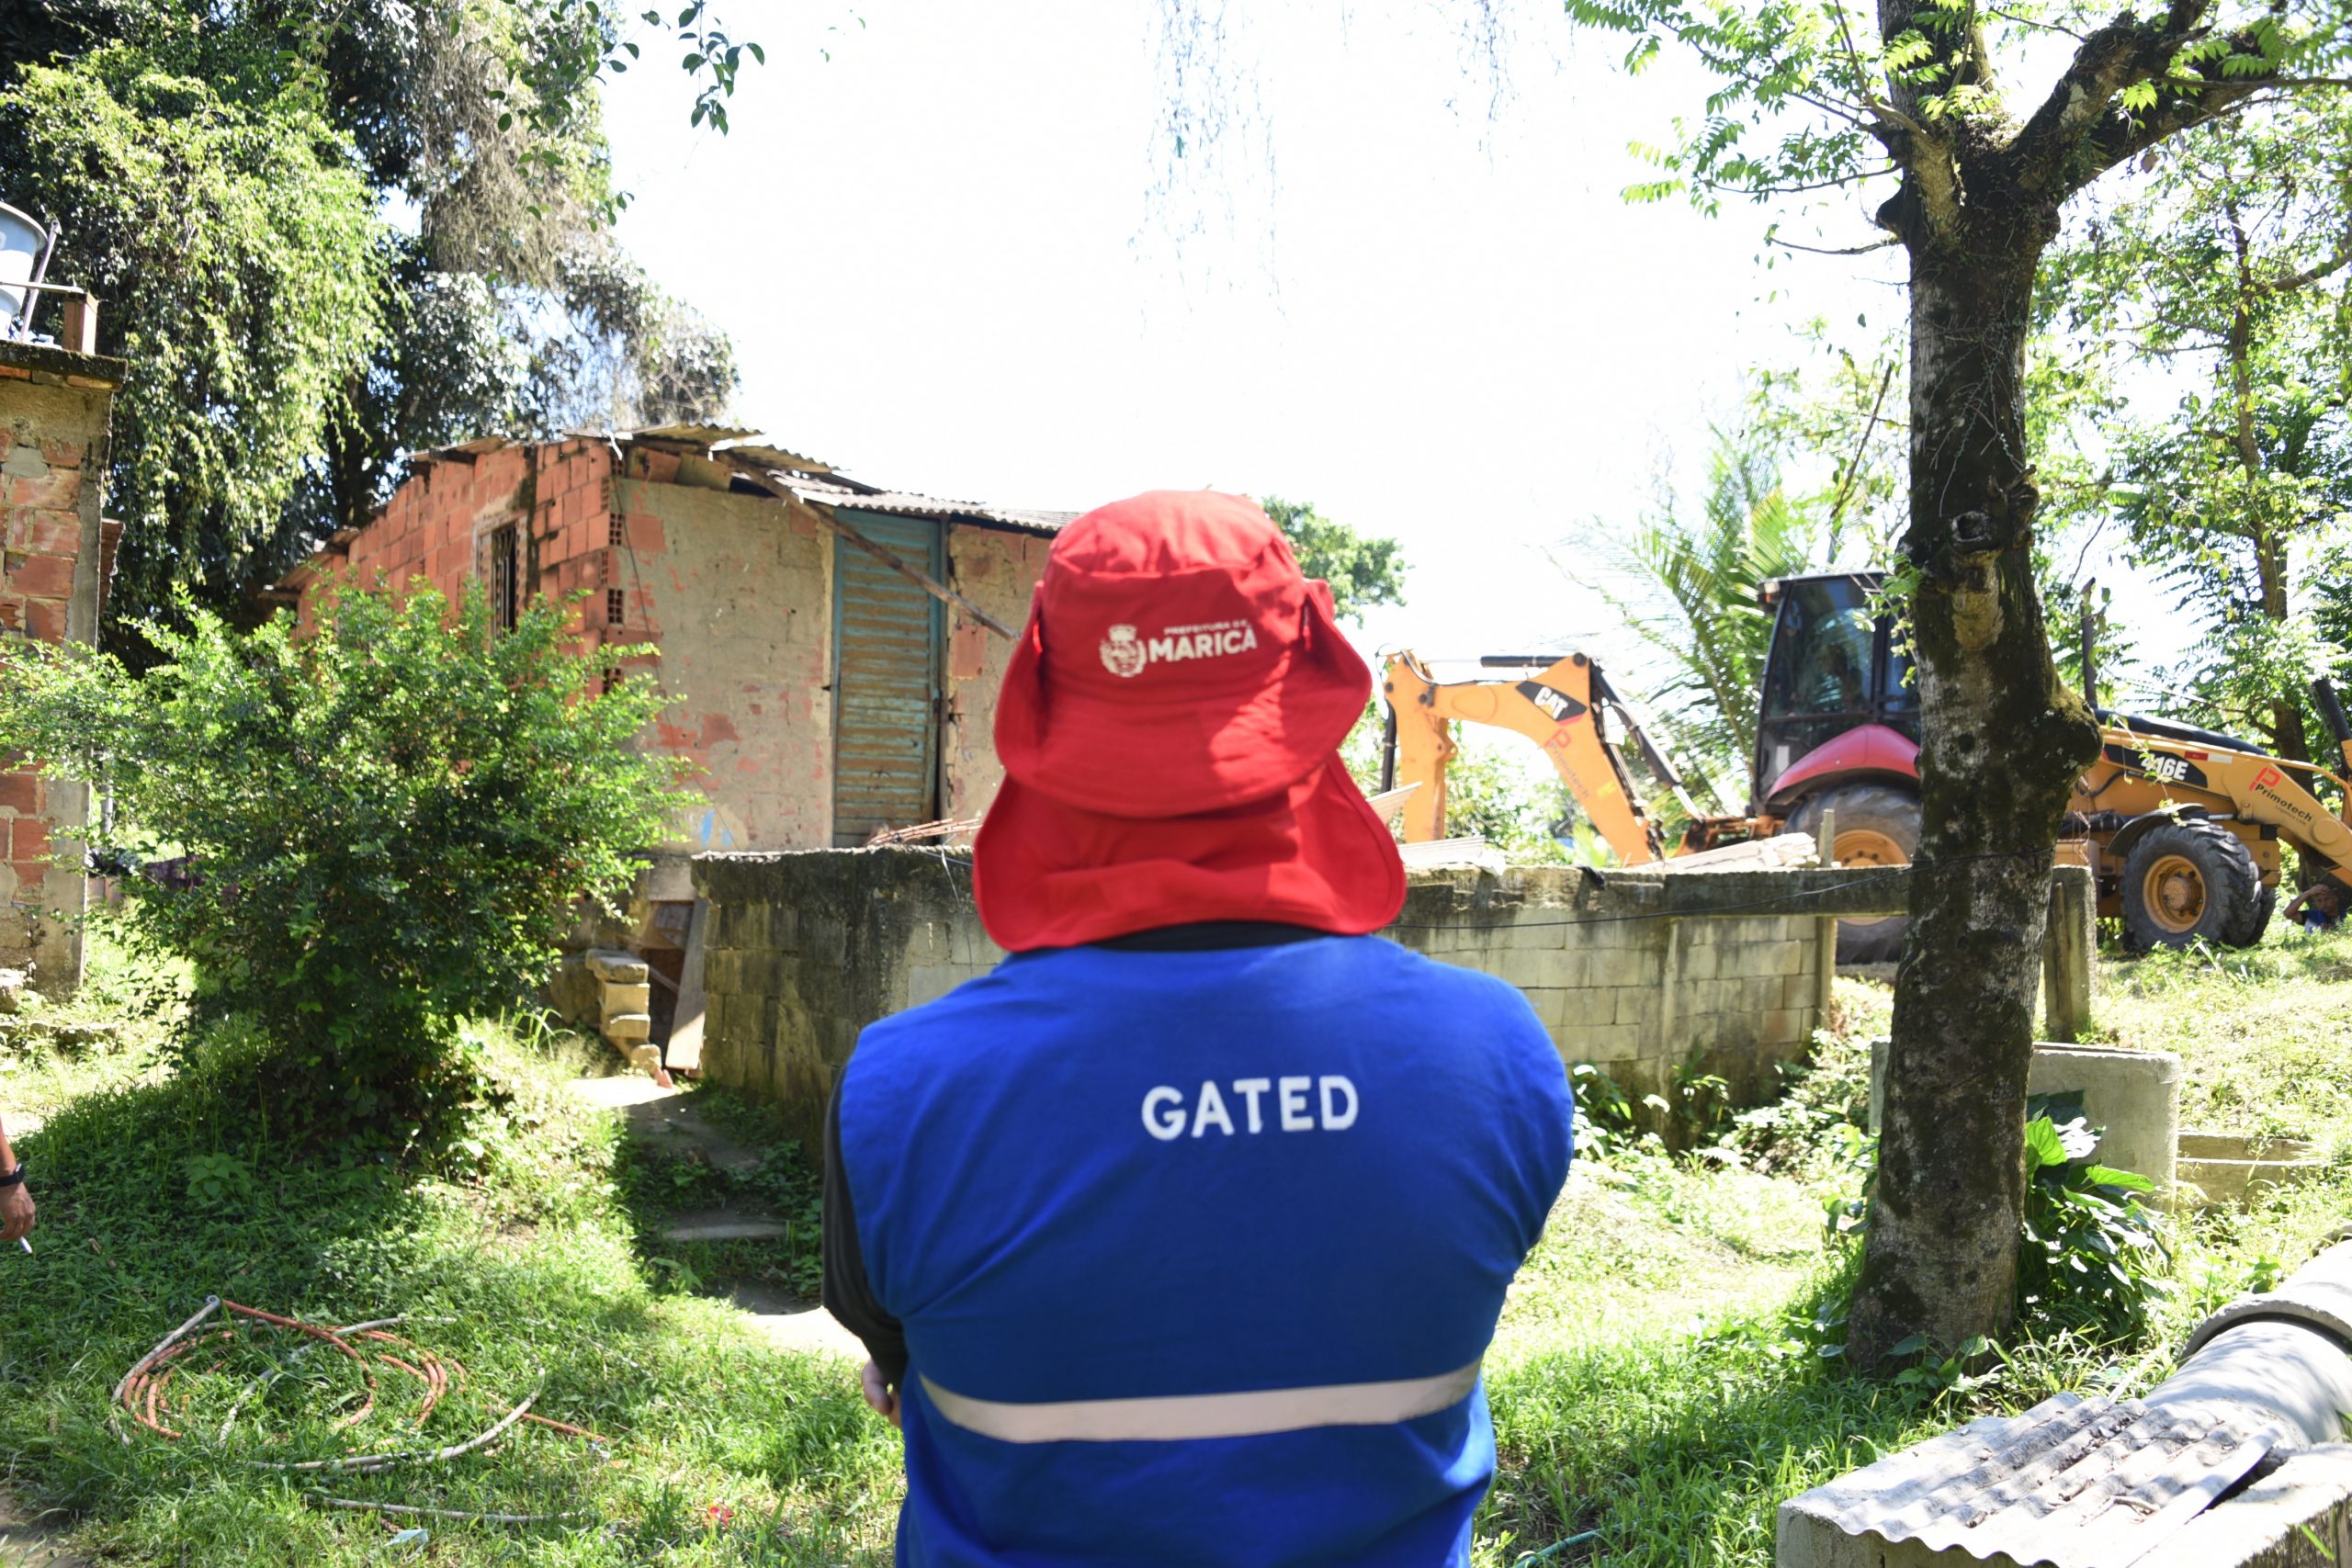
(942, 270)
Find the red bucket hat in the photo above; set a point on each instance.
(1169, 727)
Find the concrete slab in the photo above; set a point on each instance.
(791, 1324)
(664, 1120)
(620, 1089)
(723, 1224)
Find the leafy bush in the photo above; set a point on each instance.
(2092, 1256)
(384, 824)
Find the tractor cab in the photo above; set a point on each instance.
(1835, 673)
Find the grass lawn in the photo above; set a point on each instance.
(1656, 1379)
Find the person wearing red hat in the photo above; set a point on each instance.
(1180, 1238)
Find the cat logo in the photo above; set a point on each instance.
(1557, 704)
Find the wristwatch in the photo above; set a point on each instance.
(15, 1178)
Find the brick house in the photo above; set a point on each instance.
(56, 408)
(826, 644)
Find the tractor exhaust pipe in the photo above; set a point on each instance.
(2331, 708)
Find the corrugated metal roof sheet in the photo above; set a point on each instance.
(703, 435)
(829, 491)
(2076, 1482)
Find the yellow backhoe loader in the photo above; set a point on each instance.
(2180, 826)
(1563, 704)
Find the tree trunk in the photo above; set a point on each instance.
(2004, 742)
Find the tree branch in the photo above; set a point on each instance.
(2030, 22)
(1817, 250)
(2080, 131)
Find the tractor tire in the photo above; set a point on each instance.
(1877, 825)
(2249, 932)
(2191, 879)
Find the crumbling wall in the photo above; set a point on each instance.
(740, 589)
(55, 410)
(995, 569)
(804, 949)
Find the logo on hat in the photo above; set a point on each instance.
(1122, 654)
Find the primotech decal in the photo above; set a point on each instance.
(1561, 707)
(2161, 766)
(2266, 784)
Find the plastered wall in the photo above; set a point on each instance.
(741, 589)
(997, 571)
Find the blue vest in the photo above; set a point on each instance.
(1197, 1253)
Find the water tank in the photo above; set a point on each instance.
(24, 256)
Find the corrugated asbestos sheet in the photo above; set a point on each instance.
(886, 638)
(2075, 1483)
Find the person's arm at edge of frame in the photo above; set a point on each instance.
(15, 1203)
(846, 1293)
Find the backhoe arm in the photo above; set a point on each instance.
(1554, 709)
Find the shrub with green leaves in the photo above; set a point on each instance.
(386, 824)
(2093, 1256)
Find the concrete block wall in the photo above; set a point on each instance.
(804, 949)
(1626, 979)
(56, 410)
(742, 590)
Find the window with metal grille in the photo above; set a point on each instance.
(505, 578)
(616, 606)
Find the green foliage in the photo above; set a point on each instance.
(234, 240)
(2225, 261)
(1686, 591)
(1808, 97)
(387, 825)
(227, 179)
(2093, 1257)
(1364, 570)
(1505, 795)
(518, 1251)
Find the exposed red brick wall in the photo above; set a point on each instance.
(437, 526)
(55, 412)
(41, 500)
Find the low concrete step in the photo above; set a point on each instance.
(791, 1324)
(723, 1224)
(663, 1120)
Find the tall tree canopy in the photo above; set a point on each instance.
(1364, 570)
(328, 234)
(2230, 262)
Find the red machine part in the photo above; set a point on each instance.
(1865, 751)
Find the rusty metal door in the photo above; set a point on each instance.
(888, 639)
